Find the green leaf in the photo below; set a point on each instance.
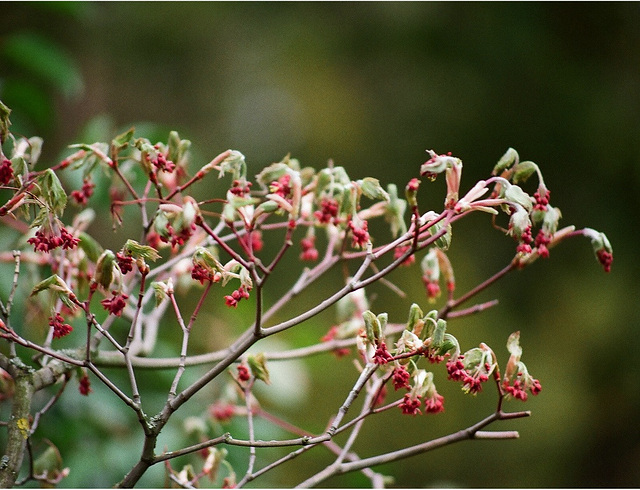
(272, 172)
(508, 159)
(90, 246)
(123, 140)
(513, 345)
(4, 121)
(160, 290)
(105, 269)
(372, 189)
(52, 192)
(522, 171)
(258, 366)
(137, 251)
(515, 194)
(45, 60)
(235, 164)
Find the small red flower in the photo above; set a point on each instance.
(116, 303)
(309, 251)
(235, 297)
(605, 258)
(124, 262)
(60, 329)
(68, 240)
(434, 404)
(410, 405)
(255, 238)
(432, 288)
(400, 377)
(541, 200)
(400, 251)
(82, 196)
(542, 240)
(328, 210)
(85, 385)
(455, 369)
(281, 187)
(382, 355)
(161, 163)
(240, 188)
(222, 412)
(202, 274)
(6, 171)
(359, 235)
(243, 373)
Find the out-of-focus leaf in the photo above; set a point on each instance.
(4, 121)
(45, 60)
(29, 100)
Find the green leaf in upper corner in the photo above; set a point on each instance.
(45, 60)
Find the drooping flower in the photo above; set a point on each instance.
(125, 262)
(82, 195)
(400, 377)
(234, 298)
(410, 404)
(85, 385)
(60, 328)
(382, 355)
(6, 171)
(309, 250)
(434, 402)
(116, 303)
(359, 233)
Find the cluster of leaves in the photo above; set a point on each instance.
(187, 244)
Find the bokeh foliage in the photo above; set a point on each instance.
(372, 85)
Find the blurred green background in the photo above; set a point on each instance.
(372, 86)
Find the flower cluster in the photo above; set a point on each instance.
(328, 211)
(82, 195)
(160, 162)
(43, 242)
(222, 412)
(60, 328)
(84, 386)
(382, 354)
(423, 387)
(202, 274)
(359, 234)
(116, 303)
(234, 298)
(309, 250)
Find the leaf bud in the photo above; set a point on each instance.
(508, 159)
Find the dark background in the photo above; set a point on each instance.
(372, 86)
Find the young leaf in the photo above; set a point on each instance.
(258, 366)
